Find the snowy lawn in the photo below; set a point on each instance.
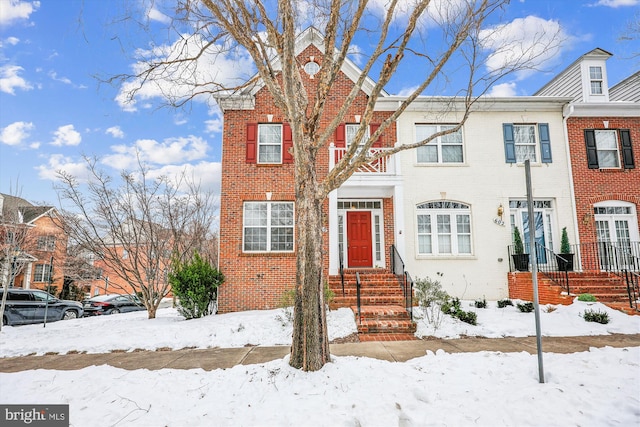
(600, 387)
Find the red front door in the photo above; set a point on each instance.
(359, 239)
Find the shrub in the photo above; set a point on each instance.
(518, 246)
(431, 297)
(525, 307)
(452, 307)
(596, 316)
(504, 302)
(195, 283)
(587, 298)
(288, 298)
(480, 303)
(565, 247)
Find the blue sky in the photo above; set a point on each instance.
(54, 109)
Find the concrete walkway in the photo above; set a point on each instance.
(222, 358)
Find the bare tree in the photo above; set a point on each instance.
(398, 32)
(135, 226)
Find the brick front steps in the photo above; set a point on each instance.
(608, 288)
(382, 313)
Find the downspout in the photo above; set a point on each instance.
(567, 113)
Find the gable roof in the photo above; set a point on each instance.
(16, 209)
(309, 37)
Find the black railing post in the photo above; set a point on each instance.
(342, 274)
(358, 296)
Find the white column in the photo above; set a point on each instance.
(27, 276)
(334, 261)
(398, 216)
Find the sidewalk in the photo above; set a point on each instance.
(397, 351)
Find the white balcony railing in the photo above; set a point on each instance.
(383, 165)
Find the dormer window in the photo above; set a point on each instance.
(595, 80)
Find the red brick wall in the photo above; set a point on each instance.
(521, 287)
(596, 185)
(258, 281)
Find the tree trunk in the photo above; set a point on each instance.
(310, 348)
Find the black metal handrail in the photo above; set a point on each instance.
(554, 266)
(633, 287)
(342, 274)
(358, 296)
(398, 269)
(608, 256)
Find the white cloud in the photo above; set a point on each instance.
(10, 80)
(16, 133)
(503, 90)
(66, 135)
(525, 44)
(407, 91)
(616, 3)
(34, 145)
(54, 76)
(437, 12)
(12, 10)
(12, 40)
(58, 162)
(356, 54)
(156, 15)
(115, 132)
(170, 151)
(217, 66)
(207, 174)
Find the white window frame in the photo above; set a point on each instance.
(47, 243)
(261, 143)
(352, 129)
(613, 132)
(268, 226)
(596, 80)
(42, 273)
(530, 143)
(439, 143)
(451, 210)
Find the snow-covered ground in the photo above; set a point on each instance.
(595, 388)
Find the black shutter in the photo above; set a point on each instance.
(627, 150)
(509, 143)
(545, 142)
(592, 151)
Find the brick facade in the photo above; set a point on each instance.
(597, 185)
(259, 280)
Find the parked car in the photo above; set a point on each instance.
(112, 304)
(25, 306)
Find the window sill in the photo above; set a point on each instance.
(441, 165)
(269, 165)
(611, 170)
(533, 164)
(268, 254)
(446, 257)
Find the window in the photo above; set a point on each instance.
(42, 273)
(268, 227)
(46, 243)
(595, 80)
(125, 254)
(444, 228)
(605, 148)
(351, 131)
(443, 149)
(269, 143)
(520, 142)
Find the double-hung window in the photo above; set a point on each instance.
(605, 148)
(443, 149)
(444, 228)
(522, 142)
(270, 143)
(595, 80)
(42, 273)
(268, 227)
(46, 243)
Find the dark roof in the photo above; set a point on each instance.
(12, 205)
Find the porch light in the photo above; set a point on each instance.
(500, 210)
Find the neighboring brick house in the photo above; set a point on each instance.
(603, 132)
(32, 235)
(257, 207)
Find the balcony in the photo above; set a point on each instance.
(382, 166)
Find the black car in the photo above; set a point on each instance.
(25, 306)
(112, 304)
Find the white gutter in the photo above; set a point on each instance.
(567, 113)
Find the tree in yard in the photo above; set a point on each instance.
(195, 282)
(437, 37)
(136, 226)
